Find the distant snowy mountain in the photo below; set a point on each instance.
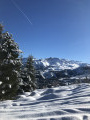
(56, 64)
(50, 67)
(51, 71)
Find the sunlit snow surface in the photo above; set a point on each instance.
(60, 103)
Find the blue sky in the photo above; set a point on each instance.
(58, 28)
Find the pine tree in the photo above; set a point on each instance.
(10, 64)
(30, 67)
(28, 76)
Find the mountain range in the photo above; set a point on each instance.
(54, 69)
(57, 64)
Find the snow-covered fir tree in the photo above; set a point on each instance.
(28, 76)
(10, 65)
(31, 71)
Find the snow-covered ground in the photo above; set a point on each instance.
(60, 103)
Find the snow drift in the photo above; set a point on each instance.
(60, 103)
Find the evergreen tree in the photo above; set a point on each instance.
(10, 64)
(28, 76)
(30, 67)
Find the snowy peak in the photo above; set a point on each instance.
(50, 70)
(55, 64)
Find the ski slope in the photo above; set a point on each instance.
(60, 103)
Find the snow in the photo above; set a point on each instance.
(57, 64)
(51, 67)
(60, 103)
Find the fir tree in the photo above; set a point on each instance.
(28, 76)
(30, 67)
(10, 64)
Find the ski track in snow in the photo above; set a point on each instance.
(60, 103)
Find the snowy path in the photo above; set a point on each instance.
(61, 103)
